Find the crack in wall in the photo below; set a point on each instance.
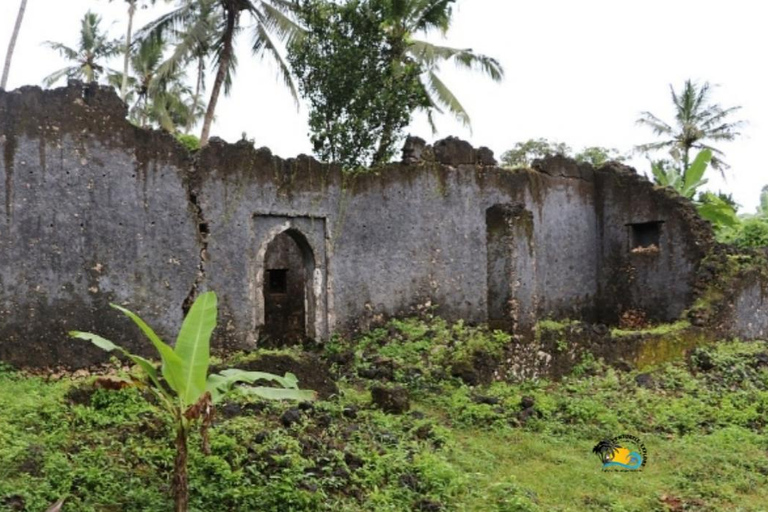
(202, 234)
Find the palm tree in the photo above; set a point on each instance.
(698, 121)
(93, 49)
(209, 27)
(12, 44)
(160, 99)
(132, 6)
(408, 17)
(192, 45)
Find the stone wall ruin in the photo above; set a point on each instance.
(99, 211)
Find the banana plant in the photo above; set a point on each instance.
(687, 181)
(183, 387)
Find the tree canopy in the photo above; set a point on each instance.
(359, 99)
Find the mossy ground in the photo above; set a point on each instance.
(461, 448)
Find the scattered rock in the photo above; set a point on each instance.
(409, 481)
(527, 402)
(230, 410)
(352, 461)
(342, 358)
(261, 437)
(701, 360)
(526, 414)
(291, 417)
(324, 420)
(425, 505)
(424, 432)
(761, 360)
(14, 502)
(622, 366)
(391, 400)
(644, 380)
(463, 370)
(80, 395)
(487, 400)
(350, 412)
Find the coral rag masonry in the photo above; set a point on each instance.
(99, 211)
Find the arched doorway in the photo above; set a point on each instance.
(287, 286)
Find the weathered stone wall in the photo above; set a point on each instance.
(750, 318)
(98, 211)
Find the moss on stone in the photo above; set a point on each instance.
(658, 330)
(668, 347)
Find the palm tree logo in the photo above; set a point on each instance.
(622, 453)
(606, 449)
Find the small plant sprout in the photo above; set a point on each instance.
(183, 387)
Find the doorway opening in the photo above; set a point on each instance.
(287, 286)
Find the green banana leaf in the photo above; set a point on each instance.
(193, 347)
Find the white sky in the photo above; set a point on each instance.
(577, 72)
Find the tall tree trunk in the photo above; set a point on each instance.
(127, 58)
(196, 97)
(226, 55)
(387, 134)
(180, 478)
(12, 44)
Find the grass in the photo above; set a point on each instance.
(465, 448)
(659, 330)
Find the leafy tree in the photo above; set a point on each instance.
(88, 59)
(763, 208)
(597, 156)
(403, 20)
(359, 99)
(12, 44)
(698, 122)
(524, 153)
(208, 29)
(186, 392)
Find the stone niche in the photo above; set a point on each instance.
(289, 280)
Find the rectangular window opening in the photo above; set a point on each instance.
(277, 280)
(646, 236)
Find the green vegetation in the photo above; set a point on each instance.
(698, 122)
(359, 101)
(523, 154)
(495, 447)
(364, 74)
(89, 57)
(187, 393)
(207, 30)
(658, 330)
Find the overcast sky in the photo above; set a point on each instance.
(577, 72)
